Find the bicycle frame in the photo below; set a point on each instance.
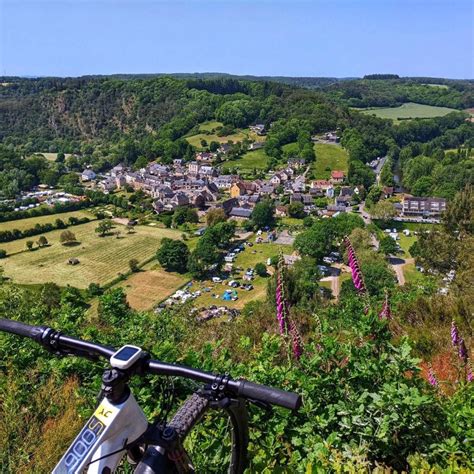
(108, 430)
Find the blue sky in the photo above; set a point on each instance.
(261, 37)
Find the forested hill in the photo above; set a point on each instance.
(375, 92)
(87, 108)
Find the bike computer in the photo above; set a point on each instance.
(125, 357)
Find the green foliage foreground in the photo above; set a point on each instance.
(364, 402)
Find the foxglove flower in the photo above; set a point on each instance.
(386, 313)
(462, 351)
(432, 377)
(282, 309)
(296, 340)
(454, 334)
(470, 375)
(357, 276)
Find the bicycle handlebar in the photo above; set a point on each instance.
(54, 340)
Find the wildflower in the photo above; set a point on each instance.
(454, 334)
(386, 312)
(357, 276)
(470, 375)
(282, 309)
(432, 377)
(296, 340)
(462, 350)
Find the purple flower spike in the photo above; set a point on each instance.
(454, 334)
(386, 313)
(470, 375)
(462, 350)
(432, 377)
(296, 340)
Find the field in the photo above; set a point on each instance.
(207, 134)
(246, 259)
(257, 159)
(101, 258)
(151, 285)
(328, 158)
(22, 224)
(52, 156)
(409, 110)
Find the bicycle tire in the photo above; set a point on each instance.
(191, 412)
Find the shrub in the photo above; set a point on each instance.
(67, 237)
(261, 269)
(133, 264)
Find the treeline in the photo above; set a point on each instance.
(391, 92)
(15, 234)
(368, 138)
(45, 210)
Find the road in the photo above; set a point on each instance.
(379, 167)
(397, 264)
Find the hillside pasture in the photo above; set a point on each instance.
(329, 158)
(101, 258)
(251, 160)
(52, 156)
(208, 132)
(151, 285)
(410, 110)
(22, 224)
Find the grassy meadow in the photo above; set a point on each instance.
(329, 158)
(151, 285)
(101, 258)
(22, 224)
(208, 132)
(410, 110)
(251, 160)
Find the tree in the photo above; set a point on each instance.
(3, 253)
(315, 242)
(388, 245)
(167, 221)
(384, 210)
(94, 289)
(42, 241)
(214, 216)
(141, 162)
(67, 238)
(261, 269)
(459, 216)
(173, 255)
(205, 256)
(29, 244)
(184, 214)
(104, 227)
(263, 214)
(373, 196)
(296, 209)
(113, 306)
(133, 264)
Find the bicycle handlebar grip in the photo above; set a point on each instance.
(271, 395)
(21, 329)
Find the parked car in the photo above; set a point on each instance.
(328, 260)
(216, 279)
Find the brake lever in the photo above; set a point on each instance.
(263, 405)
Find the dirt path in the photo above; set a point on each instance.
(336, 287)
(400, 275)
(398, 268)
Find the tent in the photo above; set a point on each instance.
(226, 296)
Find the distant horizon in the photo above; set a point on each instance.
(285, 38)
(32, 76)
